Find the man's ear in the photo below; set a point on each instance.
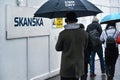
(76, 20)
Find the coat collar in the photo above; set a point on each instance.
(72, 26)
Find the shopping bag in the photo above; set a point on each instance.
(118, 39)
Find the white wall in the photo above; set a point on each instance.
(35, 58)
(12, 52)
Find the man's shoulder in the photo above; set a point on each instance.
(90, 24)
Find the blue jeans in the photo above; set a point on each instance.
(92, 60)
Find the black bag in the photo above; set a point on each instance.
(95, 39)
(110, 41)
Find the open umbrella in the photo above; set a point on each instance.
(59, 8)
(114, 17)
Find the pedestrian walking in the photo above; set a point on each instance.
(108, 37)
(72, 41)
(94, 29)
(87, 53)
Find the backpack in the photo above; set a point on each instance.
(95, 39)
(110, 41)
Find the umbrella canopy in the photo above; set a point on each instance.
(59, 8)
(114, 17)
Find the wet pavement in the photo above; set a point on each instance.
(99, 75)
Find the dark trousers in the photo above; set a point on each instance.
(110, 61)
(72, 78)
(84, 77)
(87, 53)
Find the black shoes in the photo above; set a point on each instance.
(92, 75)
(109, 78)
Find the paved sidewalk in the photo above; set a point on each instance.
(99, 76)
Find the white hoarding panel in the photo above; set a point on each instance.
(21, 23)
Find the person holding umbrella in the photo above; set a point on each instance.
(72, 41)
(111, 49)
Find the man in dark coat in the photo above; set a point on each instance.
(72, 41)
(96, 26)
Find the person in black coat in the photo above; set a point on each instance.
(95, 26)
(87, 53)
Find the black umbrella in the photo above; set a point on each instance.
(59, 8)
